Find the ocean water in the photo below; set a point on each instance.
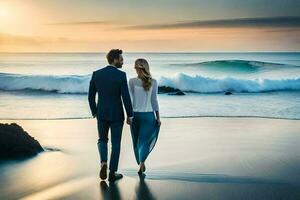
(55, 85)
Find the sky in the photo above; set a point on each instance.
(155, 26)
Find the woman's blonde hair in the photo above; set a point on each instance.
(143, 70)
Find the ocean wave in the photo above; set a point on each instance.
(238, 66)
(69, 84)
(74, 84)
(212, 85)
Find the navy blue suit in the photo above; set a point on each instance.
(111, 86)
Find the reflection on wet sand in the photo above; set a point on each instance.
(111, 191)
(263, 154)
(143, 191)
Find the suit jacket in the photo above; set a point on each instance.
(111, 85)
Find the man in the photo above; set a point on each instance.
(111, 85)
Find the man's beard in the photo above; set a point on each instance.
(118, 65)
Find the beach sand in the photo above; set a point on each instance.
(194, 158)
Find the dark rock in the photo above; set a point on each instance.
(179, 93)
(169, 90)
(228, 93)
(15, 143)
(166, 89)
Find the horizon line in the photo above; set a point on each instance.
(42, 52)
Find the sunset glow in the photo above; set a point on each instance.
(4, 13)
(92, 26)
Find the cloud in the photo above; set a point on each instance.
(75, 23)
(9, 39)
(279, 21)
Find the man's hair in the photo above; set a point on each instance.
(113, 54)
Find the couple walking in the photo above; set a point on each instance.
(141, 105)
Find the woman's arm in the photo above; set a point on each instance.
(154, 101)
(158, 117)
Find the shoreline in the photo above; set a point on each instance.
(175, 117)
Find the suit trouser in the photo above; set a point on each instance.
(116, 134)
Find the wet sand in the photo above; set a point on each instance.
(194, 158)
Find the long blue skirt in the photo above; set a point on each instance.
(144, 133)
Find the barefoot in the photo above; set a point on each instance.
(142, 168)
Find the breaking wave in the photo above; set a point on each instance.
(237, 66)
(212, 85)
(74, 84)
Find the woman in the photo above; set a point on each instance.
(146, 119)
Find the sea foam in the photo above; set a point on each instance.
(74, 84)
(203, 84)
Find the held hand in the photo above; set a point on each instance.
(129, 120)
(158, 122)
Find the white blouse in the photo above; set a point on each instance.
(142, 100)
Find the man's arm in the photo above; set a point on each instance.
(92, 96)
(126, 97)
